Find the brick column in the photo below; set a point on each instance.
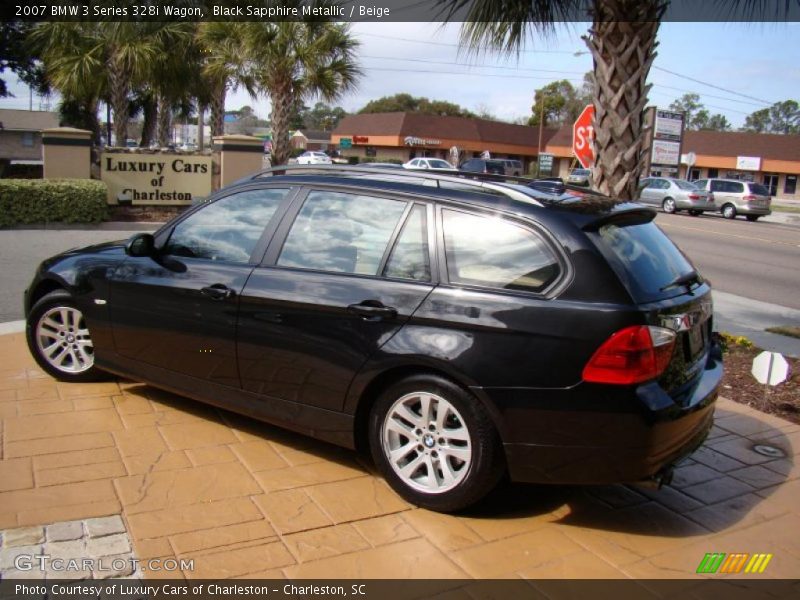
(240, 155)
(66, 153)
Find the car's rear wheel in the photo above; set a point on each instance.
(729, 211)
(59, 339)
(669, 206)
(435, 443)
(753, 217)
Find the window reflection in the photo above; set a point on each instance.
(340, 232)
(227, 229)
(492, 252)
(409, 259)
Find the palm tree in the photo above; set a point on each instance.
(224, 65)
(73, 64)
(622, 41)
(294, 61)
(85, 59)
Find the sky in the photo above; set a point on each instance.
(755, 64)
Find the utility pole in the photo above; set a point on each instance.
(539, 147)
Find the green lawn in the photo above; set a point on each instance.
(785, 208)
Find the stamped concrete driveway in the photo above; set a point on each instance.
(244, 499)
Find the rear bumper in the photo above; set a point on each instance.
(746, 209)
(594, 435)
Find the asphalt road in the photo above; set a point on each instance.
(758, 260)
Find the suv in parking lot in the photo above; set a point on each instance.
(495, 166)
(456, 328)
(734, 197)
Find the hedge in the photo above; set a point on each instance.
(24, 201)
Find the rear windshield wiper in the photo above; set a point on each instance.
(686, 279)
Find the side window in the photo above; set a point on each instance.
(717, 186)
(490, 251)
(701, 183)
(410, 258)
(227, 229)
(734, 187)
(340, 232)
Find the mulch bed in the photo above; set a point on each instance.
(739, 385)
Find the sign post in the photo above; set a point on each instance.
(583, 136)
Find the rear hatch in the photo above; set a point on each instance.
(758, 196)
(665, 287)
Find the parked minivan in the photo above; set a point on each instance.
(456, 328)
(734, 197)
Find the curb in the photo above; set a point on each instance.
(12, 327)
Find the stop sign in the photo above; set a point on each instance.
(582, 136)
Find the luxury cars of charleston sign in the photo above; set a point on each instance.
(155, 178)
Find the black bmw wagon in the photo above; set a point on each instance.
(458, 329)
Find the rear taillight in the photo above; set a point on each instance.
(750, 198)
(631, 355)
(710, 196)
(694, 197)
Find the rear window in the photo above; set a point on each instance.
(685, 185)
(758, 189)
(646, 259)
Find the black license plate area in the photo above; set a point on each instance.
(698, 339)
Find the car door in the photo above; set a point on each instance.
(177, 310)
(345, 271)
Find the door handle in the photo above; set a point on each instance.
(218, 291)
(373, 310)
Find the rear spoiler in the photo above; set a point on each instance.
(635, 215)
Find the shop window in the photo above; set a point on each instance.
(771, 182)
(713, 173)
(790, 185)
(371, 151)
(27, 139)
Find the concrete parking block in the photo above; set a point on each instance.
(24, 536)
(65, 531)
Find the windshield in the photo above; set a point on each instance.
(439, 164)
(646, 259)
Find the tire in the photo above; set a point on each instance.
(695, 213)
(669, 206)
(728, 211)
(467, 439)
(56, 322)
(753, 218)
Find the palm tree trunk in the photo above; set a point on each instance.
(623, 48)
(150, 112)
(282, 103)
(217, 107)
(118, 83)
(201, 129)
(164, 121)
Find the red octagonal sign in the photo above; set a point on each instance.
(582, 136)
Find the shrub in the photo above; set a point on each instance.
(24, 201)
(728, 341)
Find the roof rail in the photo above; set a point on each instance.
(484, 181)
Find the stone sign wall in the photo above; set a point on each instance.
(155, 178)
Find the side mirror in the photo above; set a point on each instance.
(141, 244)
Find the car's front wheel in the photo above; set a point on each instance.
(59, 339)
(435, 443)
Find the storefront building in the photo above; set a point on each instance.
(401, 136)
(773, 160)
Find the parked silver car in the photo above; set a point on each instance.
(579, 177)
(736, 197)
(674, 195)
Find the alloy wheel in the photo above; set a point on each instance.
(63, 340)
(426, 442)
